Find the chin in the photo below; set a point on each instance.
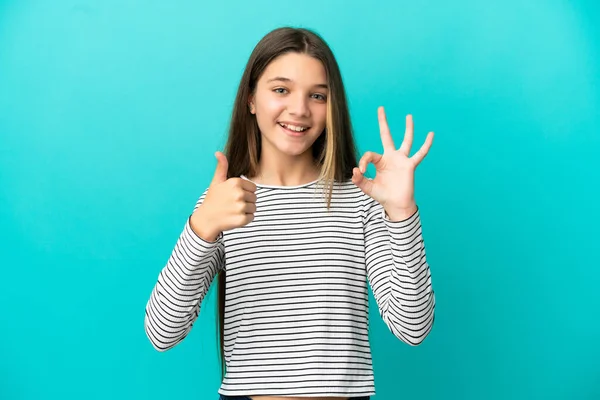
(294, 152)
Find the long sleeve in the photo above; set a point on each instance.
(398, 273)
(174, 303)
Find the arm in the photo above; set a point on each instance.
(175, 300)
(398, 273)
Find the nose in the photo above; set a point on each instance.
(298, 105)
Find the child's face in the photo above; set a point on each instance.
(291, 95)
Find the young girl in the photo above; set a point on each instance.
(294, 232)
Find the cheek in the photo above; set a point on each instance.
(271, 107)
(320, 114)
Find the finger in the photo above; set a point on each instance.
(420, 155)
(408, 135)
(368, 157)
(384, 131)
(249, 186)
(364, 184)
(249, 208)
(249, 197)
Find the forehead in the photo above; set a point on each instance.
(299, 68)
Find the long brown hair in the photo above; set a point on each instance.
(334, 150)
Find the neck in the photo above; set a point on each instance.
(293, 172)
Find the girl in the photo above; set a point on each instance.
(292, 261)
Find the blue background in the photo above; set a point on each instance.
(111, 111)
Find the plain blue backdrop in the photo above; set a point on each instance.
(111, 111)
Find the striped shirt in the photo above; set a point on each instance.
(296, 301)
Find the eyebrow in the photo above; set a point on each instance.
(283, 79)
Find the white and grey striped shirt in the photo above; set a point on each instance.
(296, 303)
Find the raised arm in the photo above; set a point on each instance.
(182, 284)
(398, 273)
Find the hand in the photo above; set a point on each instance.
(393, 185)
(229, 203)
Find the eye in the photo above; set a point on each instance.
(280, 90)
(319, 96)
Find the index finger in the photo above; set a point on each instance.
(248, 185)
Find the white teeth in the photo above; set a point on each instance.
(294, 127)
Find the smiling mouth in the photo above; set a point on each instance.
(294, 128)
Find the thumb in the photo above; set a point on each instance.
(362, 182)
(221, 170)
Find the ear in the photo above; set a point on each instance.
(251, 105)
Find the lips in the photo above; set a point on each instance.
(291, 132)
(294, 127)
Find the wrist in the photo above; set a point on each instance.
(400, 213)
(202, 226)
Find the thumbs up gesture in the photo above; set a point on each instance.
(229, 203)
